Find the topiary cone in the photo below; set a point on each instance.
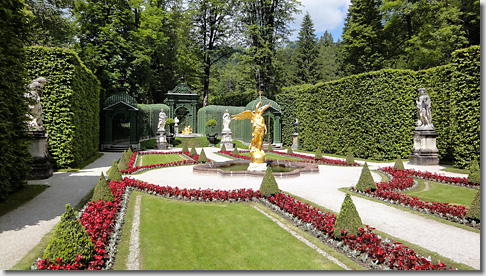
(318, 154)
(348, 218)
(122, 164)
(474, 211)
(235, 150)
(399, 164)
(223, 148)
(270, 148)
(474, 173)
(102, 190)
(115, 173)
(349, 158)
(366, 180)
(193, 151)
(69, 239)
(184, 147)
(202, 157)
(289, 150)
(269, 185)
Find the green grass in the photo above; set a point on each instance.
(240, 144)
(151, 159)
(418, 249)
(445, 193)
(177, 235)
(456, 170)
(20, 196)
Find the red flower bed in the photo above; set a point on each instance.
(460, 181)
(402, 179)
(131, 169)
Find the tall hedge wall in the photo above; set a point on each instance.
(374, 113)
(70, 103)
(14, 141)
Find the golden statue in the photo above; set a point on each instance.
(259, 129)
(187, 130)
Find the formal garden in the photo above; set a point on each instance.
(134, 140)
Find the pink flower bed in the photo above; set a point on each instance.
(402, 179)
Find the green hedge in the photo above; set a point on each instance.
(14, 141)
(374, 113)
(70, 104)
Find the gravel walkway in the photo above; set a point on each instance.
(22, 229)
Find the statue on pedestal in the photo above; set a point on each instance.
(162, 120)
(226, 120)
(259, 129)
(424, 110)
(161, 139)
(34, 94)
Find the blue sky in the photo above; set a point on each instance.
(326, 14)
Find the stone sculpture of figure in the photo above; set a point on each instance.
(176, 121)
(259, 129)
(162, 119)
(34, 94)
(226, 120)
(424, 110)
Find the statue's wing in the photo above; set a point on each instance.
(263, 108)
(247, 114)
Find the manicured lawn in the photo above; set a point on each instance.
(444, 193)
(178, 235)
(151, 159)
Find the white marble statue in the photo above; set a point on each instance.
(176, 121)
(226, 120)
(424, 110)
(162, 120)
(35, 115)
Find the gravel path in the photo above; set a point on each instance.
(23, 228)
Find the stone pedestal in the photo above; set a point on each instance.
(226, 139)
(295, 141)
(161, 140)
(257, 167)
(41, 166)
(176, 130)
(424, 151)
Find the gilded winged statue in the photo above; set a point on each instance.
(259, 129)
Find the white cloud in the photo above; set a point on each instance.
(326, 14)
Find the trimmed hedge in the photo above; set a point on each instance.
(70, 103)
(15, 157)
(375, 112)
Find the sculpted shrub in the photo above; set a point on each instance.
(349, 157)
(114, 172)
(69, 239)
(474, 212)
(474, 173)
(399, 164)
(102, 190)
(223, 147)
(348, 219)
(366, 180)
(202, 157)
(269, 185)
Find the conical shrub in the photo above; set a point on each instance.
(115, 164)
(318, 154)
(348, 218)
(269, 185)
(289, 150)
(474, 211)
(130, 152)
(126, 155)
(235, 150)
(223, 147)
(102, 190)
(122, 163)
(202, 157)
(366, 180)
(349, 157)
(269, 148)
(69, 240)
(115, 173)
(474, 173)
(399, 164)
(184, 146)
(193, 151)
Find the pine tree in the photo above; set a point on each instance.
(366, 180)
(306, 52)
(328, 57)
(269, 185)
(361, 48)
(102, 190)
(69, 239)
(348, 218)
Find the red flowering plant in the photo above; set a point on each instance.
(402, 180)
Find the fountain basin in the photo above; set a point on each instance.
(239, 168)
